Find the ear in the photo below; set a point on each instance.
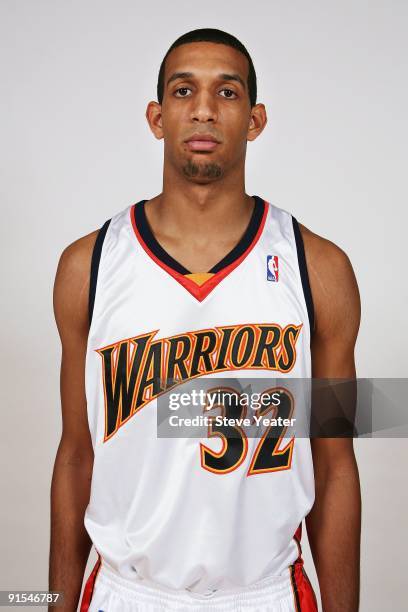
(154, 118)
(257, 122)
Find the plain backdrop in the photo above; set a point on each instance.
(75, 148)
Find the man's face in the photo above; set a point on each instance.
(212, 100)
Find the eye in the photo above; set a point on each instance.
(230, 91)
(181, 89)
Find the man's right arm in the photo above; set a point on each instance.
(70, 488)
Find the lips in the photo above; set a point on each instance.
(202, 142)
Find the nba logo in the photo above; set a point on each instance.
(272, 268)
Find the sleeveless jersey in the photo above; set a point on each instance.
(195, 513)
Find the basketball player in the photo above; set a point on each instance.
(202, 280)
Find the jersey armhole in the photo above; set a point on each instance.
(96, 258)
(304, 275)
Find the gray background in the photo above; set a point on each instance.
(75, 148)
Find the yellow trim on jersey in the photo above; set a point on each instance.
(199, 277)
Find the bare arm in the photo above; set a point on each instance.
(70, 487)
(334, 523)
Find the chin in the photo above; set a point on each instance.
(204, 169)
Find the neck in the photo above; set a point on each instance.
(220, 209)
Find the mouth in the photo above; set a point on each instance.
(201, 143)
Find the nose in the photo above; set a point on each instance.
(204, 108)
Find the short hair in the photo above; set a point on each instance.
(216, 36)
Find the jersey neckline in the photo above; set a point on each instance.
(220, 270)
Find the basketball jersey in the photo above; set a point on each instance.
(186, 512)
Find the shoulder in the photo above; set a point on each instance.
(75, 261)
(71, 286)
(323, 256)
(332, 280)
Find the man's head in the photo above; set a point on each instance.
(197, 70)
(217, 37)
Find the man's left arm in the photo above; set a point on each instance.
(334, 523)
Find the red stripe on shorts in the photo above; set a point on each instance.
(89, 587)
(303, 593)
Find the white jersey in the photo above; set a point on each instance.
(187, 512)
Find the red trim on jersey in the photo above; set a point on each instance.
(298, 533)
(89, 586)
(199, 291)
(297, 537)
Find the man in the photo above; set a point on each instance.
(202, 279)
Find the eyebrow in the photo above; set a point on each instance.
(223, 76)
